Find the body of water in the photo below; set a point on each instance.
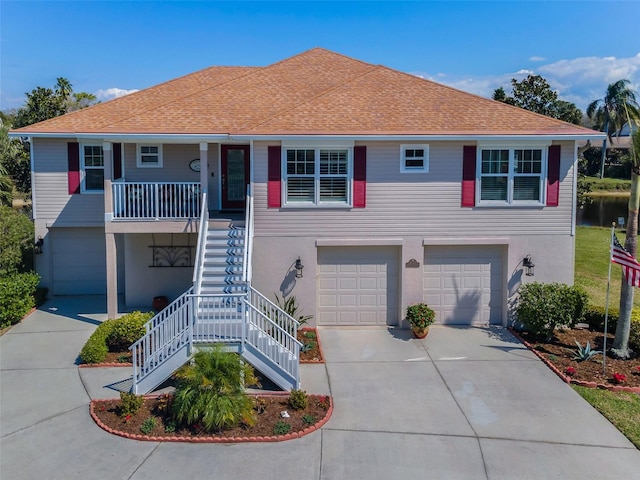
(603, 210)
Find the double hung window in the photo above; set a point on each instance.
(414, 158)
(511, 175)
(92, 166)
(317, 176)
(149, 156)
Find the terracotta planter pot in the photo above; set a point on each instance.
(420, 332)
(160, 303)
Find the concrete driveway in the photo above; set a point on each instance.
(465, 403)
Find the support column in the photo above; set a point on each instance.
(204, 165)
(107, 153)
(112, 275)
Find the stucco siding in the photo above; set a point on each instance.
(413, 204)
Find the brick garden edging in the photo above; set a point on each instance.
(213, 439)
(567, 378)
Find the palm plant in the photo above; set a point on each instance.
(613, 111)
(6, 187)
(211, 391)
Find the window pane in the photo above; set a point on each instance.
(493, 188)
(333, 162)
(300, 189)
(526, 188)
(94, 179)
(333, 189)
(495, 161)
(93, 156)
(149, 159)
(300, 162)
(528, 161)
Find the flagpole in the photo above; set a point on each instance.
(606, 310)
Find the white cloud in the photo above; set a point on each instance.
(536, 59)
(111, 93)
(579, 80)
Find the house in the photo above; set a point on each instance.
(357, 188)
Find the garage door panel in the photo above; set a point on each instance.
(79, 262)
(464, 284)
(365, 282)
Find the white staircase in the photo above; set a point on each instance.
(221, 307)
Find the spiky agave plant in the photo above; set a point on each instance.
(211, 391)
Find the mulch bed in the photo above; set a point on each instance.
(559, 353)
(106, 415)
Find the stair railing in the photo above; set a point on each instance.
(275, 342)
(202, 238)
(248, 238)
(273, 311)
(166, 333)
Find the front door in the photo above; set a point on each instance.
(235, 176)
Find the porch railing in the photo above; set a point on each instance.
(156, 200)
(202, 238)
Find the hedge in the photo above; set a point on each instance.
(16, 296)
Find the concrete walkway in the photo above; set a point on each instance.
(466, 403)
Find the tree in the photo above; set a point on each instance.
(14, 160)
(6, 187)
(535, 94)
(620, 348)
(613, 111)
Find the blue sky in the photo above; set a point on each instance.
(108, 48)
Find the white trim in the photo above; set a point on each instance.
(140, 163)
(316, 203)
(574, 190)
(33, 179)
(511, 147)
(444, 241)
(83, 176)
(403, 159)
(358, 242)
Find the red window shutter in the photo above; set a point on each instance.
(117, 160)
(553, 176)
(359, 176)
(469, 176)
(73, 174)
(274, 176)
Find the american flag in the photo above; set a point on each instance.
(630, 266)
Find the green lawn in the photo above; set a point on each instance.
(620, 408)
(592, 266)
(608, 184)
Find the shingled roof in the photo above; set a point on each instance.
(315, 92)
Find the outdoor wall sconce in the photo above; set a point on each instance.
(37, 247)
(299, 267)
(528, 265)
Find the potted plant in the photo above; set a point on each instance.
(420, 316)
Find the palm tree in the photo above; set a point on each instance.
(620, 348)
(612, 112)
(6, 187)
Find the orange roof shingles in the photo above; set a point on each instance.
(316, 92)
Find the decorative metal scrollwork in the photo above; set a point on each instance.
(172, 256)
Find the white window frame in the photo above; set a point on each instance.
(316, 203)
(511, 174)
(403, 158)
(84, 168)
(139, 154)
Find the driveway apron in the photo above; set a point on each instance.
(465, 403)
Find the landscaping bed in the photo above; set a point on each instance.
(561, 349)
(312, 350)
(268, 408)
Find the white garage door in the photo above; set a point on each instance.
(79, 264)
(464, 284)
(357, 286)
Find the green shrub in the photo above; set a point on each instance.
(16, 297)
(95, 350)
(594, 316)
(634, 334)
(420, 315)
(16, 242)
(115, 335)
(130, 404)
(148, 425)
(298, 399)
(210, 391)
(127, 330)
(308, 419)
(281, 428)
(544, 306)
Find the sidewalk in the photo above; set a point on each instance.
(466, 403)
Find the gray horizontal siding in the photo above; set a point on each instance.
(175, 164)
(52, 200)
(413, 204)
